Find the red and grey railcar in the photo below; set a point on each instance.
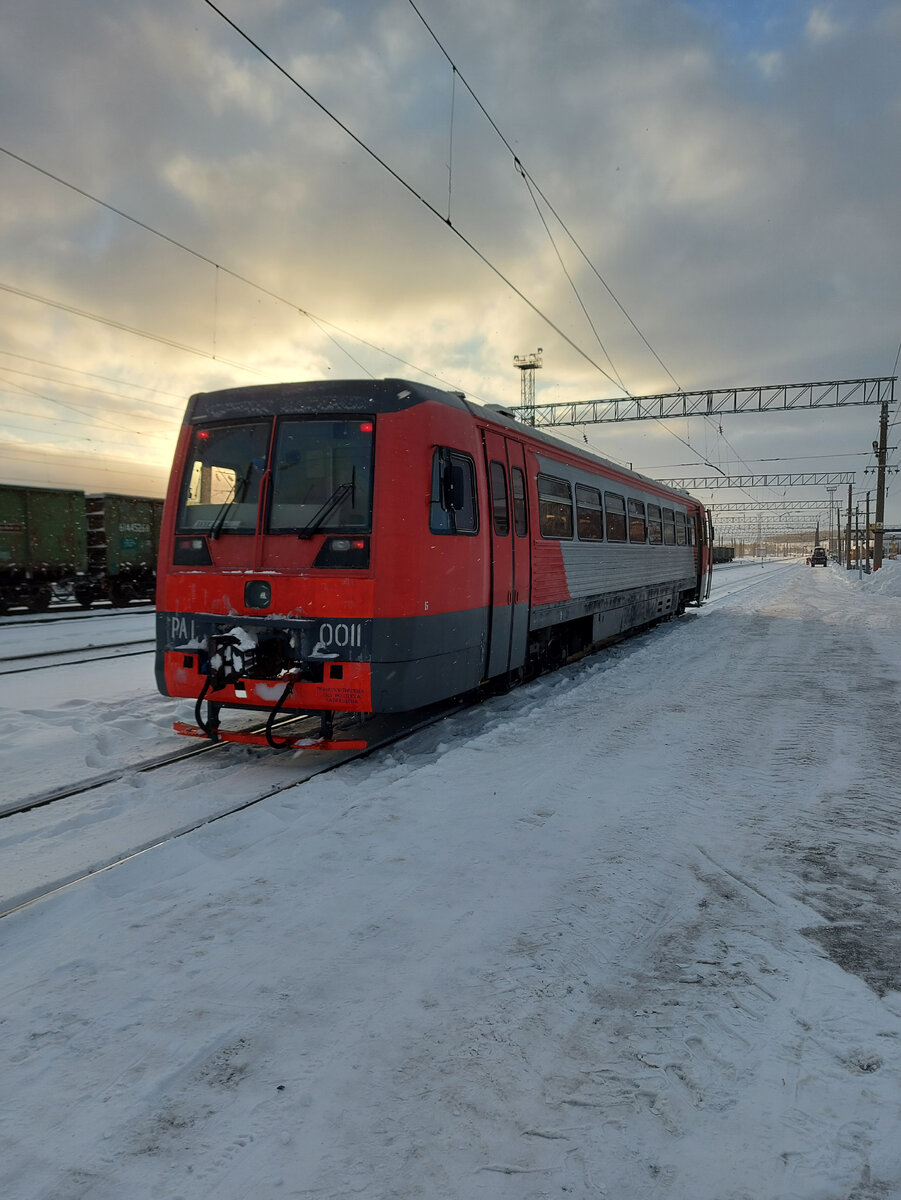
(373, 547)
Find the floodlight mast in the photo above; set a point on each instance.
(528, 364)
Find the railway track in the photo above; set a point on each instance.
(62, 615)
(382, 732)
(75, 658)
(40, 643)
(746, 585)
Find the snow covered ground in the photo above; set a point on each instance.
(629, 932)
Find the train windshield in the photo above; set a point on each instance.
(322, 476)
(221, 489)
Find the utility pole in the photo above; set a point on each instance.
(848, 534)
(880, 449)
(857, 539)
(831, 491)
(528, 364)
(867, 534)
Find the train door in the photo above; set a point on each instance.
(522, 555)
(509, 601)
(704, 562)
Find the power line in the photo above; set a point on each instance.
(27, 391)
(42, 362)
(408, 187)
(129, 468)
(530, 182)
(110, 323)
(572, 284)
(792, 458)
(319, 322)
(95, 391)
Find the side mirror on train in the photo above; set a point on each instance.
(454, 487)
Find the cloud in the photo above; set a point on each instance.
(739, 202)
(822, 25)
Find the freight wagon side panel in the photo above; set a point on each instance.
(13, 530)
(56, 529)
(130, 533)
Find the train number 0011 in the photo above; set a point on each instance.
(340, 635)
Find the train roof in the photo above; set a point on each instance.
(321, 396)
(376, 396)
(504, 416)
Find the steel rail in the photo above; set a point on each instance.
(78, 662)
(127, 856)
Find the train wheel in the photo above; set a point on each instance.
(556, 652)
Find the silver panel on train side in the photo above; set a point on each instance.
(593, 568)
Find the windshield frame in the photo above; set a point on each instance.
(361, 476)
(219, 506)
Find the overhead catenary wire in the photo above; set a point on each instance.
(530, 180)
(572, 283)
(22, 389)
(320, 322)
(43, 362)
(533, 188)
(408, 187)
(113, 324)
(176, 414)
(430, 207)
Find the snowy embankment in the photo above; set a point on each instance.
(629, 932)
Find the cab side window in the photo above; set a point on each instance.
(520, 512)
(453, 508)
(499, 509)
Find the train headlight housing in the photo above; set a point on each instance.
(343, 552)
(257, 593)
(191, 551)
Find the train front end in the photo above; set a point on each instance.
(265, 584)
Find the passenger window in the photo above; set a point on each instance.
(452, 500)
(638, 531)
(555, 507)
(615, 507)
(589, 514)
(655, 525)
(690, 522)
(520, 512)
(669, 527)
(499, 508)
(681, 537)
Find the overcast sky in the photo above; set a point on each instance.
(729, 167)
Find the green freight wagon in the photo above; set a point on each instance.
(123, 536)
(43, 544)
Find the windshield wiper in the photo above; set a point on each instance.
(342, 490)
(240, 485)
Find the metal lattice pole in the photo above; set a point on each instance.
(528, 364)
